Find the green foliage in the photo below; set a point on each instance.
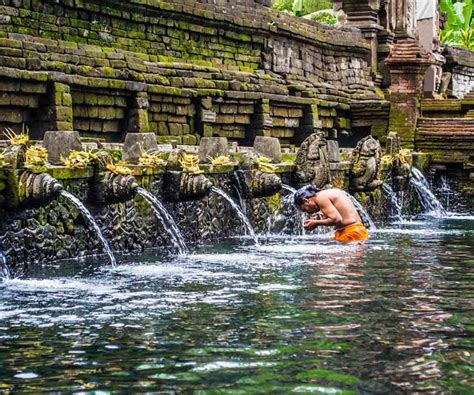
(304, 6)
(459, 28)
(326, 17)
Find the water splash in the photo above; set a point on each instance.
(299, 214)
(165, 217)
(428, 200)
(91, 221)
(239, 212)
(395, 203)
(4, 269)
(364, 215)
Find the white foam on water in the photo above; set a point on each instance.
(308, 248)
(170, 271)
(47, 285)
(278, 287)
(421, 232)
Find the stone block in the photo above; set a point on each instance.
(212, 147)
(137, 143)
(333, 151)
(268, 147)
(60, 143)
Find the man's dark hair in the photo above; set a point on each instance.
(305, 193)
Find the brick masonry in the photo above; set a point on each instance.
(181, 69)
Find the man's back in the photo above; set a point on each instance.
(343, 204)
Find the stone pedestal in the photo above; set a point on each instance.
(212, 147)
(138, 114)
(60, 143)
(136, 144)
(269, 147)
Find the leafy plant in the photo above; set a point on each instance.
(301, 7)
(190, 163)
(151, 160)
(326, 17)
(265, 165)
(36, 159)
(459, 28)
(17, 138)
(119, 170)
(222, 160)
(78, 159)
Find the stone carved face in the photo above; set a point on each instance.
(312, 163)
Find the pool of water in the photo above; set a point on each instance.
(297, 314)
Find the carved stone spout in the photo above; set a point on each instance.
(108, 186)
(365, 165)
(37, 188)
(312, 162)
(181, 186)
(257, 184)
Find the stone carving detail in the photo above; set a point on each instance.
(365, 165)
(181, 186)
(108, 187)
(253, 182)
(37, 188)
(312, 162)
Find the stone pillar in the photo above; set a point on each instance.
(138, 113)
(407, 64)
(206, 117)
(404, 15)
(261, 122)
(58, 114)
(309, 123)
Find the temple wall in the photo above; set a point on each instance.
(180, 69)
(460, 63)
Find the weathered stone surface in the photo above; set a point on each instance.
(136, 144)
(60, 144)
(365, 165)
(269, 147)
(312, 162)
(212, 147)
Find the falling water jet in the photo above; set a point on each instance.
(90, 219)
(363, 213)
(300, 214)
(239, 212)
(165, 217)
(394, 202)
(4, 269)
(427, 199)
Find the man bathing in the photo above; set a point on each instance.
(331, 207)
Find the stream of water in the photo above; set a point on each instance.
(295, 315)
(239, 212)
(91, 221)
(430, 202)
(168, 221)
(4, 269)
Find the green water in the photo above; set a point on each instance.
(302, 315)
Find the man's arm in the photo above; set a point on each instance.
(333, 217)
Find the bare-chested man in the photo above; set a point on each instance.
(331, 207)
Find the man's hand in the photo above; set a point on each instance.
(310, 224)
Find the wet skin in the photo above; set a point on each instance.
(331, 207)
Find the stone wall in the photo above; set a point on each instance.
(177, 68)
(460, 63)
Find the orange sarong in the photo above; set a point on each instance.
(351, 233)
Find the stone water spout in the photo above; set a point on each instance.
(400, 168)
(254, 182)
(108, 184)
(37, 188)
(365, 165)
(184, 184)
